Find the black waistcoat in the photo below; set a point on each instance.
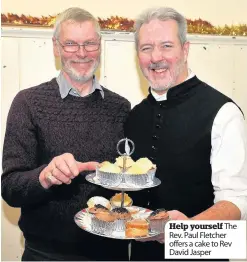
(176, 135)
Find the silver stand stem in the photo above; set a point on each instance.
(122, 199)
(124, 169)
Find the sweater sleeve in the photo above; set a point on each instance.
(20, 178)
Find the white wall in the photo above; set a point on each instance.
(223, 66)
(218, 12)
(27, 60)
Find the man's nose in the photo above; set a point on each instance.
(81, 51)
(156, 55)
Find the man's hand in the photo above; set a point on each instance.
(62, 169)
(173, 215)
(159, 238)
(177, 215)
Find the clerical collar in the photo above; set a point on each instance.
(163, 97)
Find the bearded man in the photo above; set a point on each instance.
(53, 131)
(194, 134)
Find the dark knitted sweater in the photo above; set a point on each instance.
(40, 126)
(176, 135)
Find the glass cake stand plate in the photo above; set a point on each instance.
(122, 186)
(83, 220)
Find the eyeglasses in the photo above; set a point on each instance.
(74, 47)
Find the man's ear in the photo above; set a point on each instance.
(186, 48)
(56, 50)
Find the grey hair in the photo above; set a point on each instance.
(162, 14)
(75, 14)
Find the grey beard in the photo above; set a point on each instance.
(161, 88)
(179, 69)
(80, 78)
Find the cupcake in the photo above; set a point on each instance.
(122, 215)
(135, 169)
(133, 210)
(157, 220)
(103, 223)
(98, 208)
(109, 167)
(117, 198)
(105, 216)
(148, 166)
(109, 174)
(140, 173)
(136, 176)
(120, 161)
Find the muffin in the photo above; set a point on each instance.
(120, 160)
(136, 228)
(136, 170)
(136, 176)
(105, 216)
(122, 215)
(157, 220)
(116, 200)
(145, 163)
(148, 166)
(103, 223)
(140, 173)
(104, 164)
(98, 208)
(133, 210)
(109, 174)
(109, 167)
